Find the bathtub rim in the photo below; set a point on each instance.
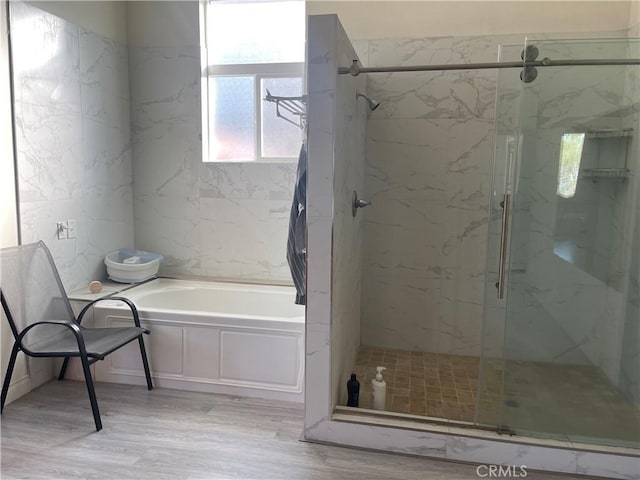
(169, 314)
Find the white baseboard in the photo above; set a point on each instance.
(18, 388)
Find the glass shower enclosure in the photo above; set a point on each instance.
(541, 338)
(561, 339)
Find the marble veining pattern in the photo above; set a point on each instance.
(49, 144)
(600, 100)
(210, 219)
(429, 160)
(45, 56)
(441, 170)
(72, 139)
(456, 279)
(349, 166)
(104, 80)
(321, 392)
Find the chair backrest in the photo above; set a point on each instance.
(32, 292)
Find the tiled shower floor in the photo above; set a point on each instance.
(572, 402)
(436, 385)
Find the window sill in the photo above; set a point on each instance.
(270, 161)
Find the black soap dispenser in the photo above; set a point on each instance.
(353, 391)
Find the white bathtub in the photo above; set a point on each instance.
(239, 339)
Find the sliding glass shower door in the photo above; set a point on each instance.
(570, 366)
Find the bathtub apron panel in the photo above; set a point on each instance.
(207, 350)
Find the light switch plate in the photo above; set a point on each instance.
(61, 230)
(71, 229)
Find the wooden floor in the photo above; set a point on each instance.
(171, 434)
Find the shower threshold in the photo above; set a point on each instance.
(421, 423)
(411, 419)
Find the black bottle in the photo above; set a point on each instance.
(353, 390)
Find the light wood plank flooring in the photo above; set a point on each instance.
(171, 434)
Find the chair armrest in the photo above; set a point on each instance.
(132, 307)
(75, 329)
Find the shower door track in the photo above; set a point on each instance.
(374, 417)
(356, 70)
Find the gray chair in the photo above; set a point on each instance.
(44, 325)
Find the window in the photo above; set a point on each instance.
(252, 47)
(570, 156)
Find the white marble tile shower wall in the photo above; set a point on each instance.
(320, 391)
(629, 379)
(507, 121)
(529, 322)
(506, 142)
(630, 355)
(558, 105)
(564, 100)
(429, 161)
(350, 122)
(208, 219)
(322, 62)
(72, 140)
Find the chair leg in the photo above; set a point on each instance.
(92, 393)
(145, 363)
(7, 377)
(63, 369)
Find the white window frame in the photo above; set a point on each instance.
(258, 71)
(567, 189)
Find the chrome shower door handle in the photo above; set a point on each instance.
(357, 203)
(504, 243)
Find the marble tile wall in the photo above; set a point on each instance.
(245, 220)
(336, 149)
(207, 219)
(559, 103)
(542, 325)
(166, 140)
(506, 144)
(428, 174)
(629, 374)
(321, 392)
(430, 153)
(560, 344)
(77, 131)
(350, 121)
(72, 140)
(629, 380)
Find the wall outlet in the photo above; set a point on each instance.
(61, 230)
(71, 229)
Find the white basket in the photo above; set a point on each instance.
(128, 265)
